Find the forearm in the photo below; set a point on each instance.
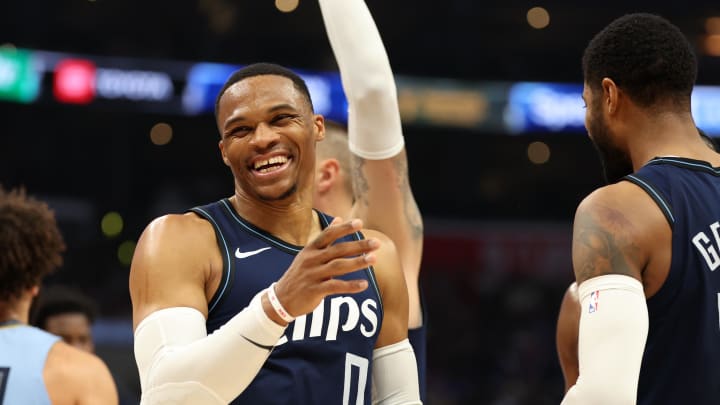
(613, 329)
(374, 127)
(394, 375)
(176, 358)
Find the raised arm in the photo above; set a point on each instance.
(383, 197)
(609, 255)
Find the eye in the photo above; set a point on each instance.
(239, 131)
(282, 118)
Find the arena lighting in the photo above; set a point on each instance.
(538, 152)
(161, 134)
(147, 86)
(135, 85)
(712, 45)
(444, 106)
(20, 75)
(125, 252)
(545, 107)
(286, 6)
(538, 18)
(712, 25)
(74, 81)
(111, 224)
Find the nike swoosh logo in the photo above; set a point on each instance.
(269, 348)
(243, 255)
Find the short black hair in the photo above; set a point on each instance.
(31, 245)
(646, 56)
(261, 69)
(58, 300)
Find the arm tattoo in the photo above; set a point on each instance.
(360, 183)
(600, 249)
(361, 188)
(412, 212)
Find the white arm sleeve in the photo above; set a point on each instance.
(394, 375)
(613, 329)
(374, 128)
(180, 364)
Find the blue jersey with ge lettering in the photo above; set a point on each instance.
(324, 356)
(23, 353)
(681, 363)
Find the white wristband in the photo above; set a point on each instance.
(275, 302)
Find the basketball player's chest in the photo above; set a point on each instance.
(338, 320)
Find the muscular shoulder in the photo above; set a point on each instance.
(613, 231)
(174, 259)
(73, 376)
(184, 229)
(173, 237)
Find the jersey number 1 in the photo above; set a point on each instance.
(361, 364)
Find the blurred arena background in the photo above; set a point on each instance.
(106, 113)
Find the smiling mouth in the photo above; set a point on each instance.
(270, 165)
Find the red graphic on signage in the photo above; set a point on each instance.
(74, 81)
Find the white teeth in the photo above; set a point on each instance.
(272, 161)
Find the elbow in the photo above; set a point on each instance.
(374, 88)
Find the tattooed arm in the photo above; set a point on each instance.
(610, 251)
(384, 199)
(605, 239)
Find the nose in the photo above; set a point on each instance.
(264, 136)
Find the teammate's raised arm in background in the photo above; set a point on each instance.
(377, 167)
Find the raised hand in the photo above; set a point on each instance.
(310, 277)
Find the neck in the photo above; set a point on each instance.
(337, 205)
(665, 134)
(294, 222)
(16, 310)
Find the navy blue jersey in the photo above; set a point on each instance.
(681, 363)
(324, 357)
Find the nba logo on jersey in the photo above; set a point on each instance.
(594, 298)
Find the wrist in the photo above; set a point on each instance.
(274, 309)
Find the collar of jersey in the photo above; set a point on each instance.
(266, 236)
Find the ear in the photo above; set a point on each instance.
(611, 96)
(319, 123)
(34, 290)
(328, 171)
(225, 159)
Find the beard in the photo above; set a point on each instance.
(290, 191)
(615, 162)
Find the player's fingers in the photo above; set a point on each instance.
(335, 231)
(341, 266)
(348, 249)
(335, 286)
